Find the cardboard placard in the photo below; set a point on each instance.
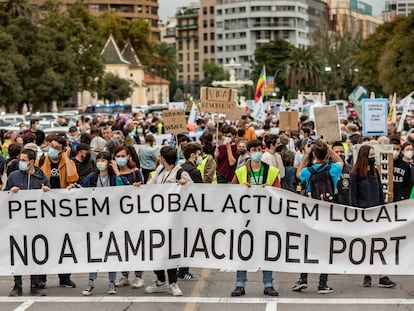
(220, 100)
(327, 122)
(174, 121)
(237, 114)
(288, 120)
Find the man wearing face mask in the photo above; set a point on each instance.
(242, 151)
(84, 164)
(342, 197)
(27, 177)
(255, 173)
(61, 171)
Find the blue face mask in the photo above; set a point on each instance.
(53, 153)
(23, 166)
(121, 161)
(101, 166)
(256, 156)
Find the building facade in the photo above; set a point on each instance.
(145, 9)
(243, 25)
(395, 8)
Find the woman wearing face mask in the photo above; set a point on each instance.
(106, 175)
(403, 179)
(122, 160)
(366, 191)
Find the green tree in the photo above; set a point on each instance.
(11, 91)
(115, 88)
(272, 55)
(213, 72)
(165, 61)
(16, 8)
(137, 31)
(338, 54)
(303, 68)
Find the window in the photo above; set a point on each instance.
(212, 10)
(196, 56)
(212, 49)
(205, 36)
(211, 22)
(205, 11)
(205, 49)
(211, 35)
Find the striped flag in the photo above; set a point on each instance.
(261, 83)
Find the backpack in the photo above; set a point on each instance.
(321, 183)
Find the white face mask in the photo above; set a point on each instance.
(408, 154)
(199, 160)
(395, 153)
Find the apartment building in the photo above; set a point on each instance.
(394, 8)
(243, 25)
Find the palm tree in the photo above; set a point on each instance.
(304, 68)
(166, 63)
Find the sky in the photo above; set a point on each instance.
(167, 7)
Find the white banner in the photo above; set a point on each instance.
(213, 226)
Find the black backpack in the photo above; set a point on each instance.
(321, 183)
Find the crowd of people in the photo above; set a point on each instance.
(109, 151)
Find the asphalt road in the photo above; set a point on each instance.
(211, 291)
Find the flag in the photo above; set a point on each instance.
(259, 111)
(260, 85)
(392, 115)
(192, 118)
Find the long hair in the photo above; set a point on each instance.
(361, 166)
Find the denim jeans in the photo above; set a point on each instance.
(137, 273)
(241, 278)
(111, 276)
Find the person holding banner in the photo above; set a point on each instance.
(106, 174)
(403, 179)
(366, 191)
(324, 190)
(168, 172)
(27, 177)
(255, 172)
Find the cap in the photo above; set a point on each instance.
(73, 129)
(82, 146)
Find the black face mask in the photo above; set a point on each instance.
(342, 157)
(87, 158)
(371, 162)
(279, 148)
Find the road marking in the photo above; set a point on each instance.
(144, 299)
(24, 306)
(201, 282)
(271, 306)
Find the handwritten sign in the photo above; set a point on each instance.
(174, 121)
(288, 119)
(218, 100)
(327, 122)
(374, 116)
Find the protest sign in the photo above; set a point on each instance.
(374, 116)
(199, 225)
(218, 100)
(327, 122)
(288, 120)
(174, 121)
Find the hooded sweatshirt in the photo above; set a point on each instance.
(26, 181)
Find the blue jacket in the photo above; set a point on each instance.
(91, 180)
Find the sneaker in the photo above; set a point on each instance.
(367, 281)
(88, 289)
(138, 282)
(68, 283)
(123, 281)
(111, 288)
(16, 291)
(36, 291)
(301, 284)
(386, 282)
(187, 277)
(270, 291)
(157, 287)
(238, 291)
(175, 290)
(324, 289)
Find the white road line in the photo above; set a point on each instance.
(345, 301)
(24, 306)
(271, 306)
